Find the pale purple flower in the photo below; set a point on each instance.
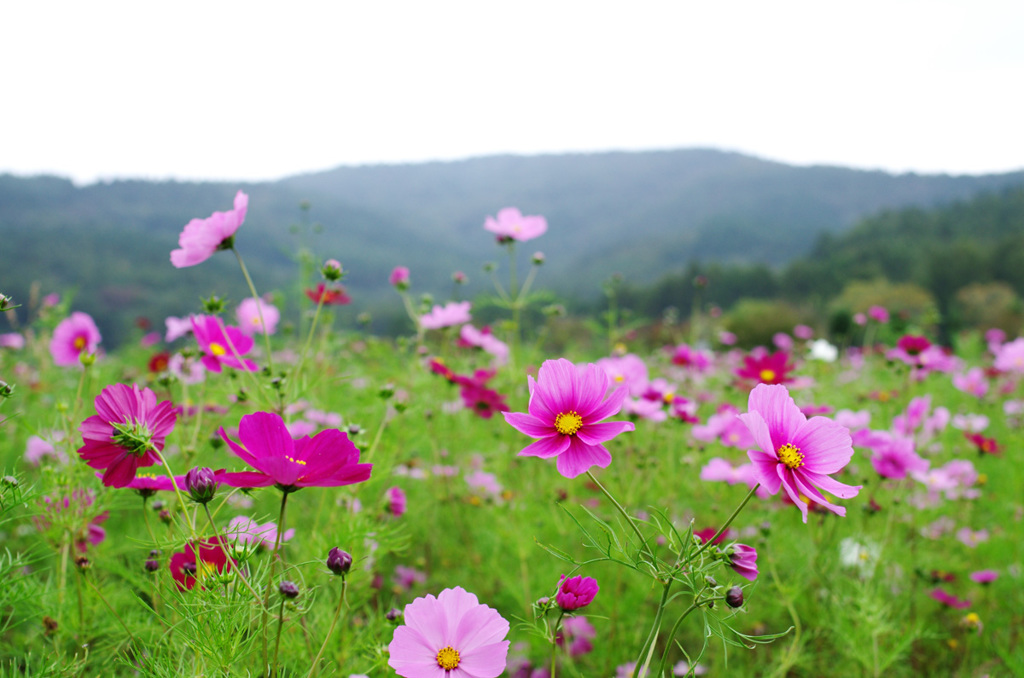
(878, 314)
(13, 340)
(782, 341)
(407, 577)
(796, 453)
(512, 225)
(641, 408)
(452, 313)
(248, 531)
(202, 237)
(971, 537)
(803, 332)
(248, 315)
(176, 327)
(1010, 357)
(628, 370)
(484, 483)
(897, 459)
(37, 447)
(853, 420)
(186, 370)
(743, 559)
(972, 423)
(73, 336)
(450, 636)
(973, 382)
(565, 413)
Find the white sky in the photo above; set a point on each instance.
(254, 90)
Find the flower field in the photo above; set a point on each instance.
(224, 497)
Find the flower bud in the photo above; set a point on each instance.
(459, 278)
(399, 278)
(331, 270)
(82, 563)
(338, 561)
(537, 258)
(165, 517)
(288, 589)
(5, 302)
(576, 592)
(6, 390)
(152, 565)
(9, 481)
(734, 597)
(393, 615)
(201, 484)
(86, 359)
(214, 305)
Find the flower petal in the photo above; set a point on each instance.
(779, 412)
(826, 445)
(580, 457)
(528, 424)
(594, 434)
(548, 447)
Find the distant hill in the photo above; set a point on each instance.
(640, 214)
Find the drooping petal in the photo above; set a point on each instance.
(580, 457)
(778, 410)
(767, 469)
(758, 428)
(831, 485)
(812, 493)
(545, 448)
(528, 424)
(786, 478)
(121, 472)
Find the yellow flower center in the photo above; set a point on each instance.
(790, 456)
(567, 423)
(447, 658)
(79, 343)
(767, 375)
(205, 569)
(669, 397)
(295, 461)
(217, 349)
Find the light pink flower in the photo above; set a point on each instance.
(972, 382)
(796, 453)
(1010, 357)
(512, 225)
(37, 447)
(878, 314)
(565, 414)
(971, 537)
(202, 237)
(248, 531)
(248, 314)
(629, 370)
(803, 332)
(176, 327)
(396, 501)
(450, 636)
(399, 277)
(471, 336)
(12, 340)
(73, 336)
(452, 313)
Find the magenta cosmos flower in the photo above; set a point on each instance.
(202, 237)
(512, 225)
(451, 636)
(222, 346)
(75, 335)
(566, 407)
(328, 459)
(796, 453)
(576, 592)
(127, 431)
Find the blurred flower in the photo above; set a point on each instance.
(579, 633)
(984, 576)
(127, 432)
(576, 592)
(187, 370)
(406, 577)
(512, 225)
(202, 237)
(743, 559)
(971, 537)
(176, 327)
(158, 362)
(973, 382)
(803, 332)
(690, 358)
(396, 501)
(878, 314)
(984, 445)
(861, 556)
(629, 370)
(471, 336)
(399, 277)
(823, 351)
(328, 459)
(766, 369)
(37, 447)
(198, 562)
(248, 531)
(222, 346)
(797, 453)
(453, 313)
(565, 412)
(896, 458)
(248, 315)
(1010, 357)
(73, 336)
(450, 636)
(334, 295)
(949, 599)
(12, 340)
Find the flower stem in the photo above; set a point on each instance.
(554, 642)
(334, 621)
(629, 518)
(277, 643)
(259, 307)
(728, 522)
(273, 570)
(224, 549)
(177, 491)
(309, 339)
(640, 670)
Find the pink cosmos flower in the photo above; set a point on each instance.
(512, 225)
(248, 531)
(450, 636)
(484, 483)
(743, 559)
(334, 295)
(75, 335)
(766, 369)
(222, 346)
(37, 447)
(396, 501)
(782, 341)
(202, 237)
(452, 313)
(971, 537)
(949, 600)
(576, 592)
(565, 414)
(127, 431)
(803, 332)
(896, 458)
(1010, 357)
(690, 358)
(797, 453)
(248, 314)
(13, 340)
(879, 314)
(328, 459)
(471, 336)
(176, 327)
(407, 577)
(579, 633)
(973, 382)
(629, 369)
(984, 576)
(399, 277)
(726, 338)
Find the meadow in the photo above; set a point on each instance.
(234, 493)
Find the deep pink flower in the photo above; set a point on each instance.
(576, 592)
(329, 296)
(578, 632)
(248, 314)
(450, 636)
(328, 459)
(452, 313)
(984, 576)
(75, 335)
(565, 414)
(766, 369)
(127, 431)
(396, 501)
(743, 559)
(896, 458)
(949, 599)
(195, 565)
(797, 453)
(709, 532)
(691, 358)
(512, 225)
(222, 346)
(147, 484)
(202, 237)
(984, 445)
(879, 314)
(399, 277)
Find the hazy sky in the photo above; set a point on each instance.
(251, 90)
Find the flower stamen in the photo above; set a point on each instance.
(448, 658)
(767, 376)
(568, 423)
(790, 456)
(216, 349)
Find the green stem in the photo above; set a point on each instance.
(648, 649)
(334, 621)
(309, 339)
(554, 643)
(675, 627)
(275, 557)
(224, 550)
(112, 610)
(728, 522)
(277, 643)
(629, 518)
(259, 308)
(177, 491)
(376, 437)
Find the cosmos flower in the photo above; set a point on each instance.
(176, 327)
(396, 501)
(450, 636)
(334, 295)
(576, 592)
(127, 432)
(690, 358)
(949, 600)
(1010, 357)
(73, 336)
(796, 453)
(248, 315)
(197, 564)
(328, 459)
(452, 313)
(766, 369)
(565, 414)
(512, 225)
(896, 458)
(248, 531)
(399, 277)
(202, 237)
(743, 559)
(222, 346)
(973, 382)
